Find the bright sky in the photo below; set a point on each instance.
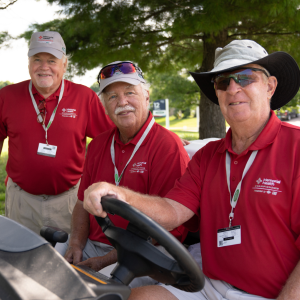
(16, 19)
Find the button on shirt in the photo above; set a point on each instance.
(268, 208)
(159, 161)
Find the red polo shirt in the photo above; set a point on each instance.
(78, 115)
(268, 208)
(159, 161)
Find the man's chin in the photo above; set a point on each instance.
(44, 84)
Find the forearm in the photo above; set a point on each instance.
(108, 259)
(80, 226)
(291, 290)
(153, 206)
(174, 213)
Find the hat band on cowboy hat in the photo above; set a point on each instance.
(48, 42)
(239, 53)
(134, 78)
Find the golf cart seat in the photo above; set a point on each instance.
(31, 269)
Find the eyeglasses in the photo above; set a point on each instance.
(42, 115)
(122, 67)
(243, 77)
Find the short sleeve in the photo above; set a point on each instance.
(86, 176)
(165, 172)
(98, 121)
(187, 189)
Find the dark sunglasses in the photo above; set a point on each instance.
(42, 109)
(243, 77)
(123, 67)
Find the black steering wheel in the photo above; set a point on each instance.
(138, 257)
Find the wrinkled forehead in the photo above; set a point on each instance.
(118, 86)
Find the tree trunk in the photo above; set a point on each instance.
(212, 122)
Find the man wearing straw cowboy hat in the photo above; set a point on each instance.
(249, 225)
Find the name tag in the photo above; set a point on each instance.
(229, 236)
(47, 150)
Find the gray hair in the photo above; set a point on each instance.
(145, 86)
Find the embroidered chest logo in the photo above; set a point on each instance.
(267, 186)
(139, 167)
(69, 113)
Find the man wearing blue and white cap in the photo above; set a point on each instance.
(47, 120)
(242, 192)
(139, 154)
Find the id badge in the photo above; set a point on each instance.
(229, 236)
(47, 150)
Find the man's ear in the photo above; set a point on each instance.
(272, 84)
(65, 65)
(147, 97)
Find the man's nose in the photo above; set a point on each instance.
(122, 100)
(233, 87)
(44, 65)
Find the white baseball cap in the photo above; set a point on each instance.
(47, 41)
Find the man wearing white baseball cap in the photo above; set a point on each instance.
(47, 120)
(242, 192)
(138, 153)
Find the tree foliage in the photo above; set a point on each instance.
(4, 83)
(95, 87)
(4, 38)
(175, 86)
(166, 35)
(6, 3)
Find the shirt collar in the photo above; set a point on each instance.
(265, 138)
(136, 139)
(38, 96)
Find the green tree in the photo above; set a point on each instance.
(4, 36)
(6, 3)
(181, 91)
(164, 35)
(4, 83)
(95, 87)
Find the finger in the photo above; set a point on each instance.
(69, 256)
(77, 257)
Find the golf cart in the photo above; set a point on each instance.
(30, 268)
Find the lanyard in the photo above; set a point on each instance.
(112, 151)
(54, 111)
(234, 199)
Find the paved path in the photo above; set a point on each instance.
(295, 121)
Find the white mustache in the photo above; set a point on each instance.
(125, 108)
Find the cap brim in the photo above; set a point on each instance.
(52, 51)
(279, 64)
(105, 82)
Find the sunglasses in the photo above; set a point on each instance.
(122, 67)
(243, 77)
(42, 116)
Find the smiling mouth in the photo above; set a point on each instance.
(235, 103)
(44, 75)
(124, 112)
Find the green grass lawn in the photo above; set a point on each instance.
(183, 123)
(184, 128)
